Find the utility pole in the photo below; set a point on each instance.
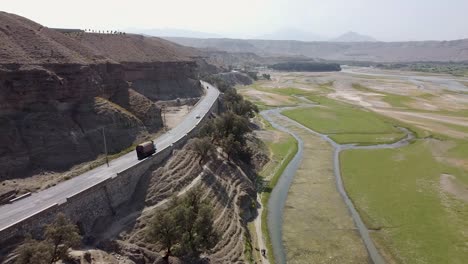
(105, 146)
(163, 108)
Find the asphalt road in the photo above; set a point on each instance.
(25, 208)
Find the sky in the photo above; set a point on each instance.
(385, 20)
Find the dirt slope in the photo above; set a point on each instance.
(227, 186)
(26, 42)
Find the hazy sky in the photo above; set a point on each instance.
(386, 20)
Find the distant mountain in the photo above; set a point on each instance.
(353, 37)
(291, 34)
(454, 50)
(173, 32)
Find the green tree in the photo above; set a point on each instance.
(33, 251)
(195, 218)
(235, 102)
(253, 75)
(187, 224)
(266, 76)
(203, 147)
(231, 146)
(164, 230)
(59, 237)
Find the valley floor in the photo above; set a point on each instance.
(413, 199)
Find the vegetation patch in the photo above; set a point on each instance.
(347, 124)
(396, 191)
(306, 66)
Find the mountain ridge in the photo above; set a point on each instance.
(455, 50)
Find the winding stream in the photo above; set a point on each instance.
(279, 194)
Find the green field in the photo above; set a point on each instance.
(344, 123)
(397, 192)
(347, 124)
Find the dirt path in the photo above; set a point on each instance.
(258, 231)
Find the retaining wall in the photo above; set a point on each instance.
(102, 199)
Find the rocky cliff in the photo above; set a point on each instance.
(58, 91)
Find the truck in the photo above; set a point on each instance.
(145, 149)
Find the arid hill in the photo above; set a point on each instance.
(456, 50)
(135, 48)
(58, 90)
(26, 42)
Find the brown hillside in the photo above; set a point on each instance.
(135, 48)
(23, 41)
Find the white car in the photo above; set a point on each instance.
(197, 116)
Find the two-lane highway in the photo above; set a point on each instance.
(25, 208)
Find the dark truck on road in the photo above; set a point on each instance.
(145, 149)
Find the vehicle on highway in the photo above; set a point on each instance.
(145, 149)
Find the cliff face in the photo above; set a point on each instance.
(154, 67)
(58, 91)
(164, 81)
(51, 115)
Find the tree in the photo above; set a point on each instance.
(59, 237)
(231, 146)
(33, 251)
(164, 231)
(231, 124)
(62, 235)
(266, 76)
(253, 75)
(194, 216)
(235, 102)
(188, 224)
(203, 147)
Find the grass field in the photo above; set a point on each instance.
(397, 192)
(347, 124)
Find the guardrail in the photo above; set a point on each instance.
(20, 197)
